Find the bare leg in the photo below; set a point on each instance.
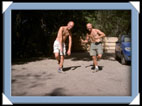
(95, 60)
(61, 61)
(57, 57)
(99, 56)
(95, 64)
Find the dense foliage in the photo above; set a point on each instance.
(33, 32)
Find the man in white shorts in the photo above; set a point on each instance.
(59, 46)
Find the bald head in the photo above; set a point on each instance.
(89, 26)
(70, 25)
(71, 22)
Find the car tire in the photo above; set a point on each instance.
(116, 56)
(123, 61)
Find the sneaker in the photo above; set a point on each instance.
(95, 70)
(60, 70)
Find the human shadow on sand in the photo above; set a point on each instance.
(70, 68)
(100, 67)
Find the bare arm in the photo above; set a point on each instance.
(86, 40)
(70, 44)
(101, 34)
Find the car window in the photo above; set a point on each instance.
(127, 39)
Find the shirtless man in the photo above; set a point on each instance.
(59, 44)
(96, 49)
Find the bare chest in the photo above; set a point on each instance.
(65, 34)
(93, 34)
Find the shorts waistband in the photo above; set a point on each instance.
(57, 42)
(96, 43)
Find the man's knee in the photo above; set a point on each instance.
(62, 57)
(99, 56)
(56, 55)
(93, 57)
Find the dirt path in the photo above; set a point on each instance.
(40, 78)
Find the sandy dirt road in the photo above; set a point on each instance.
(40, 78)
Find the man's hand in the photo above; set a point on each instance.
(82, 41)
(69, 52)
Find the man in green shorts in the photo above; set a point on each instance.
(96, 49)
